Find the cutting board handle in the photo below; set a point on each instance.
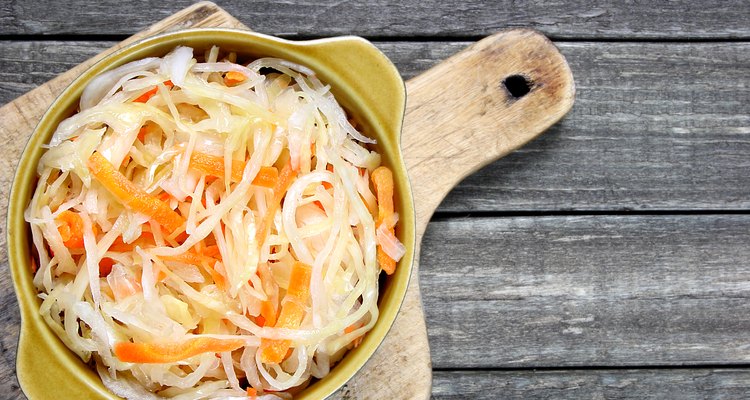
(478, 106)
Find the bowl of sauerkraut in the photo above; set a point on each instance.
(212, 213)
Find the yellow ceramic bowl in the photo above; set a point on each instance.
(365, 83)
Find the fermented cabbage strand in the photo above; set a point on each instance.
(215, 278)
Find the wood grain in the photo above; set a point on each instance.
(19, 118)
(440, 127)
(463, 114)
(656, 126)
(657, 384)
(606, 291)
(410, 19)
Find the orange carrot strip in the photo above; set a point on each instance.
(292, 312)
(164, 196)
(105, 266)
(158, 353)
(267, 177)
(386, 262)
(211, 251)
(70, 226)
(269, 313)
(132, 196)
(144, 97)
(142, 133)
(269, 308)
(252, 393)
(286, 176)
(190, 258)
(214, 166)
(234, 78)
(382, 179)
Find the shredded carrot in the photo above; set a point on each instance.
(269, 309)
(158, 353)
(105, 266)
(181, 237)
(327, 185)
(190, 258)
(234, 78)
(142, 133)
(164, 196)
(267, 177)
(292, 312)
(144, 97)
(132, 196)
(214, 166)
(252, 393)
(286, 176)
(386, 262)
(70, 226)
(211, 251)
(382, 179)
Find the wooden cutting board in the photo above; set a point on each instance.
(468, 111)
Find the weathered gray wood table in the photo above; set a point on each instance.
(608, 259)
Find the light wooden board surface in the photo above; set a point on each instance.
(617, 154)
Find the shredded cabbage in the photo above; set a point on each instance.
(130, 280)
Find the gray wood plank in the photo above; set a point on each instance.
(656, 126)
(587, 291)
(26, 65)
(390, 18)
(568, 292)
(678, 384)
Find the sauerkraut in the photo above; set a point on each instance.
(208, 229)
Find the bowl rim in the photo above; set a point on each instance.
(31, 321)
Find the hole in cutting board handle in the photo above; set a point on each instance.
(517, 85)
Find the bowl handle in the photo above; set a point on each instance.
(477, 106)
(43, 366)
